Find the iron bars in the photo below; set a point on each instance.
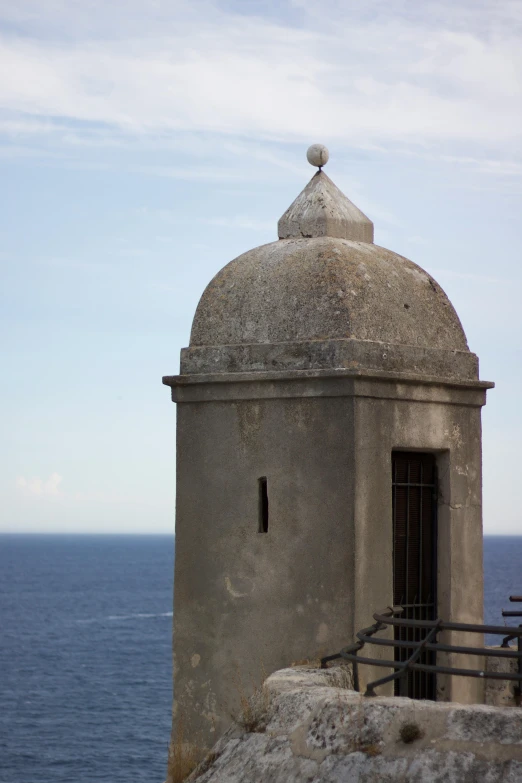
(390, 617)
(505, 643)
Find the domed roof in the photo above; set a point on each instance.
(324, 296)
(325, 288)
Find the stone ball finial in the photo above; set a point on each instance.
(317, 155)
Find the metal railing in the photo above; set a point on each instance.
(390, 617)
(516, 599)
(516, 613)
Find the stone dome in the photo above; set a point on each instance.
(324, 296)
(325, 288)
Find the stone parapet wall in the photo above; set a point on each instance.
(311, 730)
(500, 693)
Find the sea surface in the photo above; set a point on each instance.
(85, 658)
(85, 653)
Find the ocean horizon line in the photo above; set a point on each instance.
(112, 534)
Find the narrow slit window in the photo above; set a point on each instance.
(263, 505)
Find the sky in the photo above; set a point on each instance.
(146, 143)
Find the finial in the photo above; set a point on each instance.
(317, 155)
(321, 210)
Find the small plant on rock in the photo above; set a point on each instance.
(373, 749)
(409, 732)
(253, 709)
(313, 662)
(183, 756)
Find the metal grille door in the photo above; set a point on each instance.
(414, 559)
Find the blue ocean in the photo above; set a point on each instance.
(85, 653)
(85, 658)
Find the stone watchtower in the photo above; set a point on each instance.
(328, 457)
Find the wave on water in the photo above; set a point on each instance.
(134, 616)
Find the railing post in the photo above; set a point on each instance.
(517, 692)
(355, 671)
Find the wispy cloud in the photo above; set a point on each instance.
(441, 76)
(242, 222)
(478, 278)
(502, 167)
(49, 487)
(72, 263)
(417, 240)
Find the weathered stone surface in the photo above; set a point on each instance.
(311, 360)
(500, 693)
(322, 210)
(247, 601)
(320, 733)
(317, 155)
(301, 290)
(330, 354)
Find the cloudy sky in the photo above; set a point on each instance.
(145, 143)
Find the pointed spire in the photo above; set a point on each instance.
(322, 210)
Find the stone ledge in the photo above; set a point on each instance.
(326, 383)
(329, 354)
(321, 733)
